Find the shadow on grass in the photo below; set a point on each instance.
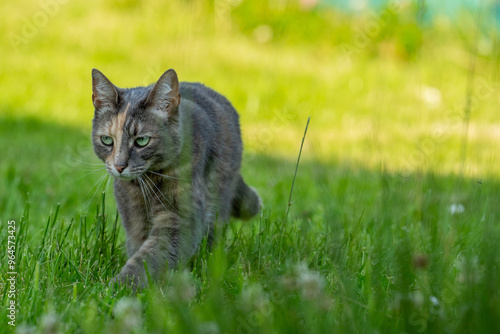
(421, 249)
(54, 164)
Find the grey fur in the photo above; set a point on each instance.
(171, 192)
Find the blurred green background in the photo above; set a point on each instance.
(400, 160)
(385, 87)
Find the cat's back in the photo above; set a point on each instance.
(215, 122)
(207, 99)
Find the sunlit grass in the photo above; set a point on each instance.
(371, 235)
(370, 111)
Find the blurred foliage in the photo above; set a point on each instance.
(394, 214)
(384, 87)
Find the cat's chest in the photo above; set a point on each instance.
(146, 195)
(127, 191)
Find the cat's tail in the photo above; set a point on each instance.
(246, 202)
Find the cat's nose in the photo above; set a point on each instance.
(120, 168)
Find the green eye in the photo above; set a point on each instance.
(142, 141)
(108, 141)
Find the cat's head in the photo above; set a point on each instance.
(135, 130)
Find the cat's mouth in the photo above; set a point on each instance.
(126, 175)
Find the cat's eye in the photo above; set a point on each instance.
(142, 141)
(106, 140)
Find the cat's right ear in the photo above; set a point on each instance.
(104, 93)
(165, 94)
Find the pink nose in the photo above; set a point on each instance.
(120, 168)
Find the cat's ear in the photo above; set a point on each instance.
(104, 93)
(165, 94)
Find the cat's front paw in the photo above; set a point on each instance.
(131, 277)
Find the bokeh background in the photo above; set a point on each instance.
(400, 166)
(386, 83)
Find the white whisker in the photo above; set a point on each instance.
(86, 163)
(90, 169)
(166, 176)
(95, 171)
(100, 181)
(96, 183)
(159, 190)
(159, 199)
(146, 200)
(107, 187)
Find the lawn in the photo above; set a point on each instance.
(394, 222)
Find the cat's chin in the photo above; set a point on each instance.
(126, 177)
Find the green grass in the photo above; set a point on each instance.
(371, 242)
(351, 260)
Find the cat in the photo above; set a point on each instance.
(174, 151)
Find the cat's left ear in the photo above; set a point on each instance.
(165, 94)
(104, 94)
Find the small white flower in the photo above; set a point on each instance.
(456, 208)
(254, 298)
(128, 312)
(25, 329)
(431, 96)
(49, 323)
(182, 288)
(434, 301)
(310, 283)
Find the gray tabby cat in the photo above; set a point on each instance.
(174, 151)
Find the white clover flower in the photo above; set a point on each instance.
(25, 329)
(128, 312)
(182, 288)
(49, 323)
(310, 283)
(456, 208)
(431, 96)
(254, 298)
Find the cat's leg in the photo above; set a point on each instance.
(133, 211)
(137, 231)
(168, 242)
(134, 242)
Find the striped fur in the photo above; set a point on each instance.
(171, 192)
